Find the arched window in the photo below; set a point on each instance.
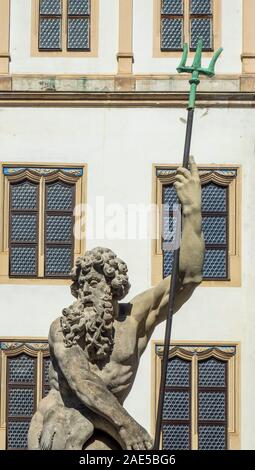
(220, 224)
(201, 408)
(215, 229)
(38, 221)
(24, 380)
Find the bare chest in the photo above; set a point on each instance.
(119, 373)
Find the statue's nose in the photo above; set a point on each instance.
(86, 289)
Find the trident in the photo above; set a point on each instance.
(195, 70)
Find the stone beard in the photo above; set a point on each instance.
(89, 321)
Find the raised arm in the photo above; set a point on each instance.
(92, 391)
(150, 307)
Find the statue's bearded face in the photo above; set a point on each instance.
(94, 310)
(99, 279)
(92, 287)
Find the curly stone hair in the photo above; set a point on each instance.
(105, 262)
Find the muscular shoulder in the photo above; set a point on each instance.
(145, 302)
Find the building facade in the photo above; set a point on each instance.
(92, 115)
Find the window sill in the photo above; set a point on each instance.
(34, 282)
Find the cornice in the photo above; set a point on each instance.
(126, 99)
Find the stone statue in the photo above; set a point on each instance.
(97, 342)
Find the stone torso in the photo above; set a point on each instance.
(119, 373)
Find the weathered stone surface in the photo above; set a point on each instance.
(5, 83)
(179, 85)
(248, 83)
(61, 84)
(118, 83)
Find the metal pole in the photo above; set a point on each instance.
(173, 282)
(195, 70)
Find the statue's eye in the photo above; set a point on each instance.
(93, 283)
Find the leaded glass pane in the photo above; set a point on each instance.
(201, 28)
(178, 373)
(215, 230)
(46, 380)
(46, 365)
(23, 228)
(50, 33)
(23, 261)
(201, 7)
(170, 196)
(212, 373)
(169, 227)
(50, 7)
(21, 402)
(59, 197)
(78, 7)
(78, 33)
(21, 369)
(212, 437)
(59, 228)
(58, 261)
(172, 7)
(171, 33)
(176, 405)
(215, 264)
(17, 434)
(214, 198)
(167, 263)
(176, 437)
(24, 196)
(212, 406)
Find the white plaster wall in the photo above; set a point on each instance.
(231, 40)
(119, 146)
(20, 47)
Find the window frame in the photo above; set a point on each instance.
(36, 348)
(80, 190)
(47, 213)
(233, 225)
(181, 422)
(24, 212)
(65, 51)
(195, 351)
(216, 32)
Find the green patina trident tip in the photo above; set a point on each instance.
(196, 69)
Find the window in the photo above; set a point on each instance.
(24, 377)
(177, 405)
(39, 220)
(65, 27)
(220, 195)
(179, 21)
(201, 411)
